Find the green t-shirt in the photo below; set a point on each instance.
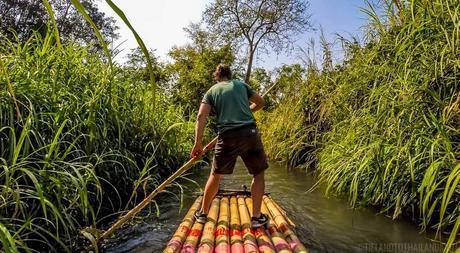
(230, 102)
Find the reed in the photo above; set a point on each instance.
(382, 127)
(70, 138)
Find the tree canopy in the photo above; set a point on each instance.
(263, 24)
(191, 71)
(23, 17)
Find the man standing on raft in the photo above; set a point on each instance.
(233, 103)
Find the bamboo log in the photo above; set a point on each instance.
(263, 241)
(207, 239)
(290, 222)
(222, 231)
(235, 227)
(249, 239)
(192, 239)
(278, 239)
(175, 244)
(282, 225)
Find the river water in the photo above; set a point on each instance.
(323, 224)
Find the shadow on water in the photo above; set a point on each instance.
(323, 224)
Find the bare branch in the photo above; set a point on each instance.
(262, 23)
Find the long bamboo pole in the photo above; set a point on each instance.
(163, 185)
(159, 189)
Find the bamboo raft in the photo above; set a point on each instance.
(228, 228)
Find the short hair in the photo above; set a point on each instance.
(222, 71)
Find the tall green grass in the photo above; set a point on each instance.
(80, 140)
(292, 128)
(385, 124)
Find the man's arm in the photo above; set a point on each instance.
(201, 120)
(257, 102)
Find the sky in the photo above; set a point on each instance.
(160, 24)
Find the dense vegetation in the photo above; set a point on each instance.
(79, 140)
(83, 138)
(383, 127)
(22, 18)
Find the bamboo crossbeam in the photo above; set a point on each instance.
(175, 244)
(236, 240)
(283, 226)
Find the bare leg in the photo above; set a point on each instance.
(257, 193)
(210, 191)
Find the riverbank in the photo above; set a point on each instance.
(382, 128)
(80, 141)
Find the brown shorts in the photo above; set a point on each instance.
(244, 142)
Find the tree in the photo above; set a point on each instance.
(257, 23)
(191, 72)
(135, 68)
(287, 84)
(23, 17)
(261, 79)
